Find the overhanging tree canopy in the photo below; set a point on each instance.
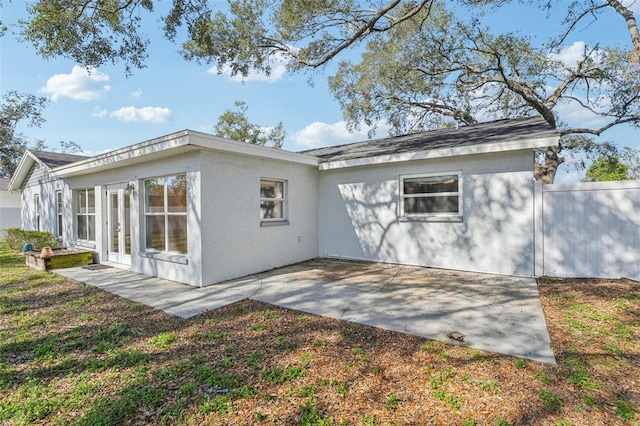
(422, 66)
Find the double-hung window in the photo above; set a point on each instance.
(59, 213)
(36, 201)
(272, 200)
(165, 214)
(86, 214)
(435, 196)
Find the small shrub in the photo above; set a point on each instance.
(16, 238)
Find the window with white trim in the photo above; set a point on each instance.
(272, 200)
(431, 195)
(36, 201)
(86, 214)
(59, 214)
(165, 214)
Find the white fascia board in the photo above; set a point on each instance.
(17, 179)
(216, 143)
(444, 152)
(184, 141)
(138, 153)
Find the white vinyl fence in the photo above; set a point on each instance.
(588, 230)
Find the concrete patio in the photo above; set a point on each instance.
(495, 313)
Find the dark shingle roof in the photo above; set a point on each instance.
(482, 133)
(56, 159)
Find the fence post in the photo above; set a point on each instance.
(538, 229)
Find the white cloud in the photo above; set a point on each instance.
(143, 115)
(81, 85)
(99, 112)
(137, 93)
(319, 134)
(570, 55)
(278, 69)
(577, 116)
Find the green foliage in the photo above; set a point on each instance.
(16, 238)
(550, 400)
(521, 363)
(281, 375)
(89, 33)
(310, 416)
(606, 169)
(235, 125)
(625, 410)
(162, 340)
(17, 108)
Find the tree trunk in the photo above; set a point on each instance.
(547, 173)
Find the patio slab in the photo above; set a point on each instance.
(495, 313)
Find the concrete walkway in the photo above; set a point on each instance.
(496, 313)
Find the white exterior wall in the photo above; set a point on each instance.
(182, 268)
(233, 242)
(9, 210)
(589, 230)
(359, 215)
(46, 187)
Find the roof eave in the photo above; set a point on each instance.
(184, 141)
(536, 143)
(22, 170)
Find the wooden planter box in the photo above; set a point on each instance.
(62, 258)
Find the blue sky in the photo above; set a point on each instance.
(105, 110)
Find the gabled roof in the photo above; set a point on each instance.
(56, 159)
(47, 159)
(493, 136)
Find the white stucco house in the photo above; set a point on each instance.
(200, 209)
(9, 206)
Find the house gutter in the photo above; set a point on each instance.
(443, 152)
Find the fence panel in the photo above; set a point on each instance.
(589, 230)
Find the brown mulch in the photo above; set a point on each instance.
(347, 373)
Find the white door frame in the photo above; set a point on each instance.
(118, 224)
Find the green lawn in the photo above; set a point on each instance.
(71, 354)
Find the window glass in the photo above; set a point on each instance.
(155, 232)
(166, 214)
(437, 195)
(272, 199)
(177, 233)
(154, 192)
(177, 193)
(85, 214)
(59, 212)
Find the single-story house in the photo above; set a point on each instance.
(9, 206)
(201, 209)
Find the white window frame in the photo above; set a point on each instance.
(59, 213)
(282, 220)
(87, 214)
(431, 216)
(164, 213)
(36, 201)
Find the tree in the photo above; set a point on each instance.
(631, 157)
(423, 65)
(235, 125)
(606, 169)
(17, 107)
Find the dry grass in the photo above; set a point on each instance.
(76, 355)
